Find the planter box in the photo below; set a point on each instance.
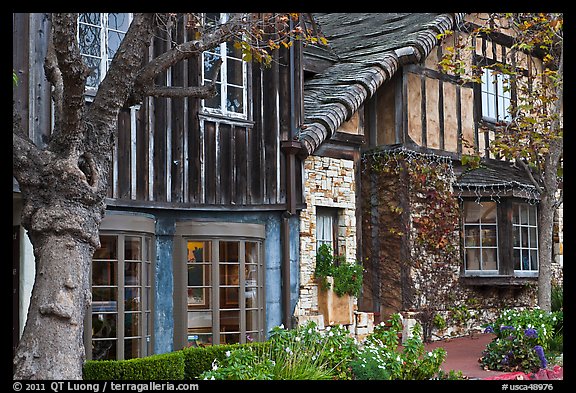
(336, 309)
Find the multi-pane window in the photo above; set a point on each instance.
(500, 238)
(223, 281)
(120, 323)
(525, 235)
(99, 36)
(495, 92)
(231, 82)
(480, 236)
(327, 227)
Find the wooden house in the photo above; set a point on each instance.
(217, 207)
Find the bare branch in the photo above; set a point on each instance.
(225, 32)
(54, 76)
(528, 171)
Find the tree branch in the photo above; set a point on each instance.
(73, 74)
(225, 32)
(54, 76)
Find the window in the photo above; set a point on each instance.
(500, 238)
(220, 293)
(231, 82)
(495, 92)
(99, 36)
(480, 237)
(119, 322)
(121, 270)
(326, 227)
(525, 235)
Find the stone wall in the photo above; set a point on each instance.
(328, 182)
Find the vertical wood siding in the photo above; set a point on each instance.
(167, 152)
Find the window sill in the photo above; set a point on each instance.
(498, 281)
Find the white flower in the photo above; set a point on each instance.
(331, 349)
(214, 365)
(310, 331)
(398, 358)
(328, 328)
(227, 354)
(430, 354)
(281, 326)
(212, 378)
(330, 334)
(297, 339)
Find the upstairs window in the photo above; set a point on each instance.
(231, 82)
(495, 92)
(99, 36)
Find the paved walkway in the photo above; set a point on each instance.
(462, 353)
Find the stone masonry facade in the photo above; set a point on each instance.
(328, 182)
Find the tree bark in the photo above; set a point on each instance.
(52, 344)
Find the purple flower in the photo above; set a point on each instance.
(489, 329)
(531, 333)
(540, 352)
(504, 327)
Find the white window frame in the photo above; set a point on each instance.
(223, 83)
(495, 98)
(530, 226)
(103, 57)
(480, 246)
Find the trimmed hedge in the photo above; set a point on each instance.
(185, 364)
(199, 359)
(167, 366)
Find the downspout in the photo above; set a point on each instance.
(290, 147)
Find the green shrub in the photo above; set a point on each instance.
(381, 357)
(303, 353)
(156, 367)
(347, 276)
(521, 339)
(200, 359)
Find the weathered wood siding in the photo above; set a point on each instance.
(167, 152)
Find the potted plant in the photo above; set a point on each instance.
(339, 282)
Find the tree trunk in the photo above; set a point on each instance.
(546, 220)
(52, 345)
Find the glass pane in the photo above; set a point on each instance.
(473, 259)
(523, 215)
(229, 251)
(533, 237)
(232, 52)
(251, 252)
(92, 18)
(234, 72)
(132, 273)
(104, 299)
(200, 321)
(132, 322)
(199, 339)
(198, 297)
(209, 63)
(103, 349)
(251, 296)
(489, 259)
(108, 248)
(251, 274)
(89, 40)
(104, 273)
(198, 251)
(472, 212)
(489, 236)
(104, 325)
(132, 300)
(516, 257)
(114, 39)
(229, 321)
(533, 259)
(229, 297)
(516, 236)
(214, 102)
(525, 260)
(132, 348)
(235, 100)
(532, 219)
(524, 236)
(93, 65)
(488, 212)
(233, 338)
(472, 235)
(252, 319)
(119, 21)
(133, 248)
(212, 18)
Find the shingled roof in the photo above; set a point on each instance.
(368, 48)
